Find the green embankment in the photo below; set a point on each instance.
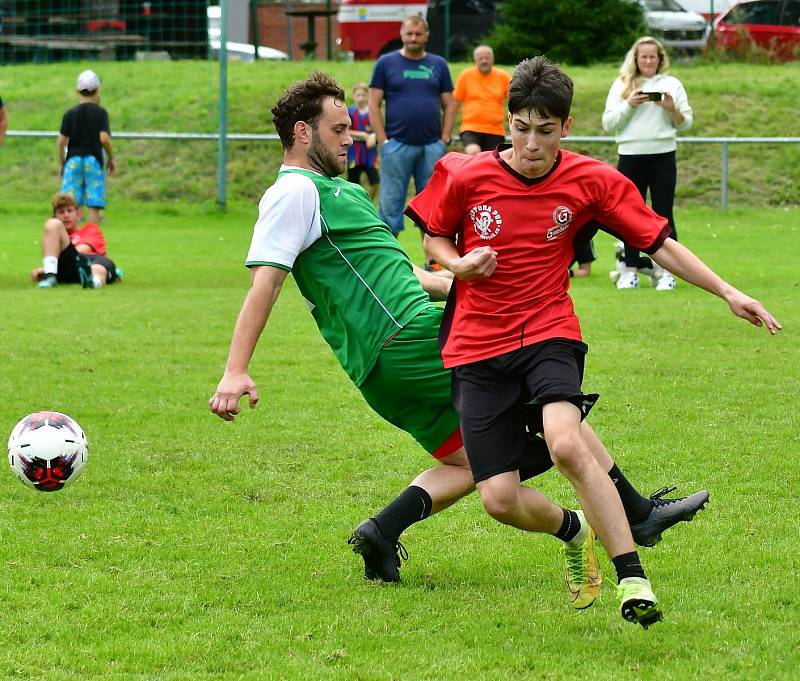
(740, 100)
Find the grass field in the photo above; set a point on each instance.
(194, 548)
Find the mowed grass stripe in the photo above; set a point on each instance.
(193, 548)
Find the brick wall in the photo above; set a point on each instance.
(272, 23)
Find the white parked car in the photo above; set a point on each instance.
(242, 51)
(704, 7)
(675, 27)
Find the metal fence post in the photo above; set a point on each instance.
(724, 187)
(222, 162)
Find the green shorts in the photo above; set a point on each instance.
(409, 387)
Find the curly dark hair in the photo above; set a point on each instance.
(540, 86)
(303, 102)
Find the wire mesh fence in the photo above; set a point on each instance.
(42, 31)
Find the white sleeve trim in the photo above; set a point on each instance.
(288, 221)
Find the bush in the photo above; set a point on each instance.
(570, 31)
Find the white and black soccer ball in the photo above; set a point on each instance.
(47, 450)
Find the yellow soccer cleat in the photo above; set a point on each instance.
(638, 603)
(582, 572)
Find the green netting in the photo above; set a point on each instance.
(42, 31)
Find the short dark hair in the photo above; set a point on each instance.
(417, 20)
(303, 102)
(542, 87)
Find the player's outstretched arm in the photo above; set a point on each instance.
(236, 382)
(679, 260)
(436, 285)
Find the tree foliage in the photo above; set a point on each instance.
(569, 31)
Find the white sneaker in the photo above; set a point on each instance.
(666, 282)
(616, 273)
(628, 279)
(655, 274)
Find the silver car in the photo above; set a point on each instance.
(676, 28)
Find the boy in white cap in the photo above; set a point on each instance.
(85, 133)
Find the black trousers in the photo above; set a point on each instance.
(658, 173)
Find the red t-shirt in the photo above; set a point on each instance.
(91, 235)
(532, 224)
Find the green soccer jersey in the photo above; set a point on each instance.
(353, 273)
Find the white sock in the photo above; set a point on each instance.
(96, 282)
(579, 538)
(50, 264)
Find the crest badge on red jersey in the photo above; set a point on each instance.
(486, 220)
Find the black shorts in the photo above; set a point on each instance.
(71, 264)
(484, 140)
(499, 400)
(354, 174)
(584, 252)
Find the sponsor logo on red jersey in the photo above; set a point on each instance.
(562, 216)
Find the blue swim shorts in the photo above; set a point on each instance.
(85, 180)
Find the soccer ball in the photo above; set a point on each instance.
(47, 450)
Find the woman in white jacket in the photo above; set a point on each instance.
(645, 109)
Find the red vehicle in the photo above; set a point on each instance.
(370, 28)
(773, 25)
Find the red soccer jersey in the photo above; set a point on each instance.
(91, 235)
(532, 224)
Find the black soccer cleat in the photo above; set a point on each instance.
(381, 558)
(666, 513)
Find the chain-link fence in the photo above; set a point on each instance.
(43, 31)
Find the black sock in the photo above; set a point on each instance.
(570, 527)
(637, 507)
(412, 505)
(628, 565)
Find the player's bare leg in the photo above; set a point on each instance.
(377, 539)
(648, 517)
(54, 240)
(602, 505)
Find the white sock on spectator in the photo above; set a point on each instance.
(50, 264)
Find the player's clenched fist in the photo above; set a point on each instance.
(477, 264)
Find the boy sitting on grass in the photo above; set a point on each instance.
(72, 254)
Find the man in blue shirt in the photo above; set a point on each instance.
(420, 112)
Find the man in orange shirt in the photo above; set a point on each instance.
(482, 91)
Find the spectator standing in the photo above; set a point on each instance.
(3, 122)
(420, 112)
(362, 155)
(645, 108)
(481, 93)
(85, 134)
